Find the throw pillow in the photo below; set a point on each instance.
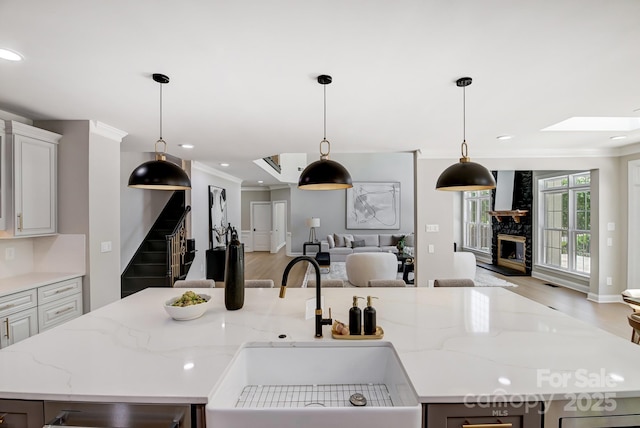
(331, 241)
(356, 244)
(340, 239)
(348, 242)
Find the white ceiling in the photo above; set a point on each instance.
(243, 73)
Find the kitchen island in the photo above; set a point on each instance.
(457, 345)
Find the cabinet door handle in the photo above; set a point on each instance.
(62, 311)
(10, 305)
(496, 425)
(20, 222)
(62, 290)
(6, 321)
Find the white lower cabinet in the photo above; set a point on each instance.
(19, 326)
(31, 311)
(55, 313)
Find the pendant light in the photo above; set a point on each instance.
(465, 175)
(324, 174)
(160, 174)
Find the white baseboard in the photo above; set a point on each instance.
(560, 281)
(604, 298)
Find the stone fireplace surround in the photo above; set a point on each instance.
(522, 200)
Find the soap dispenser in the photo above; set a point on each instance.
(355, 318)
(370, 317)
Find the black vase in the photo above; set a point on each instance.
(234, 274)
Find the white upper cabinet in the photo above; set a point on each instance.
(30, 169)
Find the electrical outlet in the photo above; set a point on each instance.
(609, 242)
(10, 253)
(432, 228)
(105, 246)
(609, 281)
(611, 227)
(432, 249)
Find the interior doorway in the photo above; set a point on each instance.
(279, 209)
(261, 225)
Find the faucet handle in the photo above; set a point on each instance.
(330, 313)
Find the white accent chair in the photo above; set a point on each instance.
(361, 267)
(194, 283)
(464, 265)
(628, 295)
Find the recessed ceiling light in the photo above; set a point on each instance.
(618, 137)
(505, 137)
(10, 55)
(186, 146)
(260, 181)
(596, 124)
(504, 380)
(224, 164)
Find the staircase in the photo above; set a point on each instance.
(165, 255)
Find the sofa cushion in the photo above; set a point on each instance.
(410, 240)
(369, 240)
(356, 244)
(366, 249)
(340, 239)
(331, 241)
(389, 249)
(341, 250)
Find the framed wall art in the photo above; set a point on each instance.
(217, 216)
(373, 205)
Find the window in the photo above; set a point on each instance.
(565, 222)
(477, 221)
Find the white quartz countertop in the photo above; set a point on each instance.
(27, 281)
(453, 342)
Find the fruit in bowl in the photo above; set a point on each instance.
(189, 306)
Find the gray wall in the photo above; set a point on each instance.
(247, 197)
(330, 205)
(89, 201)
(201, 178)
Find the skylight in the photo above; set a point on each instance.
(596, 124)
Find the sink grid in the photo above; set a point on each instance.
(335, 395)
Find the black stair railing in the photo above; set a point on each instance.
(177, 249)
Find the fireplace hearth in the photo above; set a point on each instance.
(512, 252)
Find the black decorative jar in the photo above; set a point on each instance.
(234, 274)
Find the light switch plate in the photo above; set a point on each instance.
(10, 253)
(105, 246)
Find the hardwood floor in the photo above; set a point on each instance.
(264, 265)
(611, 317)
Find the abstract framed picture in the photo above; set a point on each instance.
(217, 216)
(373, 205)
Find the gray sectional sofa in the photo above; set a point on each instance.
(339, 246)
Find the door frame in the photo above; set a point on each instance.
(275, 245)
(633, 228)
(253, 239)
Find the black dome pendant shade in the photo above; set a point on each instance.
(325, 174)
(465, 175)
(160, 174)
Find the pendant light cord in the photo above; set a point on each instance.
(161, 111)
(325, 112)
(464, 149)
(324, 155)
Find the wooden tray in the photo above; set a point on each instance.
(378, 335)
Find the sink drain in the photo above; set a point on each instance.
(358, 399)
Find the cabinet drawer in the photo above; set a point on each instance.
(59, 311)
(519, 415)
(59, 290)
(17, 302)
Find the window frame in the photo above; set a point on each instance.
(477, 197)
(572, 184)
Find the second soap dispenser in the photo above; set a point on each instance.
(370, 317)
(355, 318)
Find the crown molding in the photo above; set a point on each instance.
(107, 131)
(195, 165)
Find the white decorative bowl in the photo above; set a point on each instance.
(184, 313)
